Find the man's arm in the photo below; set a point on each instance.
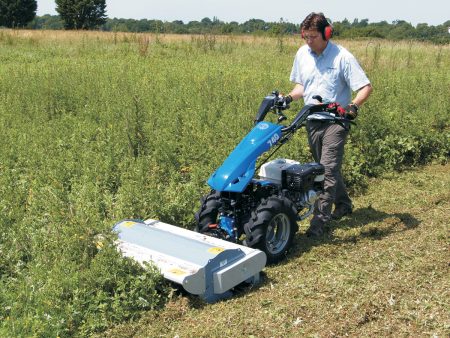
(297, 92)
(362, 95)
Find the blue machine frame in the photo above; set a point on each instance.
(238, 169)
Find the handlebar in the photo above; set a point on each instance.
(272, 103)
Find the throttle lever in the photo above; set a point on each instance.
(318, 98)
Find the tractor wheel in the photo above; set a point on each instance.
(272, 227)
(208, 212)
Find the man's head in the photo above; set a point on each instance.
(316, 30)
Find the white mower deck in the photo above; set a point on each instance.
(203, 265)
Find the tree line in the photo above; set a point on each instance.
(91, 14)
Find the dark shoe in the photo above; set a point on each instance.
(315, 229)
(341, 212)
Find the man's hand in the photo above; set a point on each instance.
(283, 102)
(351, 111)
(288, 99)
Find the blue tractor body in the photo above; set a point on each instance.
(238, 169)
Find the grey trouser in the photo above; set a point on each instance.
(327, 141)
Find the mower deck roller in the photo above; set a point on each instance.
(203, 265)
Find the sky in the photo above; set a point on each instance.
(432, 12)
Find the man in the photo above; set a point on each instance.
(329, 70)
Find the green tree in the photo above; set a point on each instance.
(46, 21)
(254, 25)
(207, 22)
(82, 14)
(17, 13)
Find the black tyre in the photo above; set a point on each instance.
(272, 228)
(208, 212)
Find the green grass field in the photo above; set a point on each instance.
(98, 127)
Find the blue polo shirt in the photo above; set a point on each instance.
(334, 74)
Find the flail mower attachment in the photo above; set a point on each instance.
(201, 264)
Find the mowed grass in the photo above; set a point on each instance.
(381, 272)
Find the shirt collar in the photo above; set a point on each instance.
(324, 53)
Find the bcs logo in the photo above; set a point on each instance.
(263, 126)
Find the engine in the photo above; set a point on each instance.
(303, 182)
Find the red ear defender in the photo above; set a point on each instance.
(328, 32)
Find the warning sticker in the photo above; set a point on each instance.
(215, 250)
(128, 224)
(177, 272)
